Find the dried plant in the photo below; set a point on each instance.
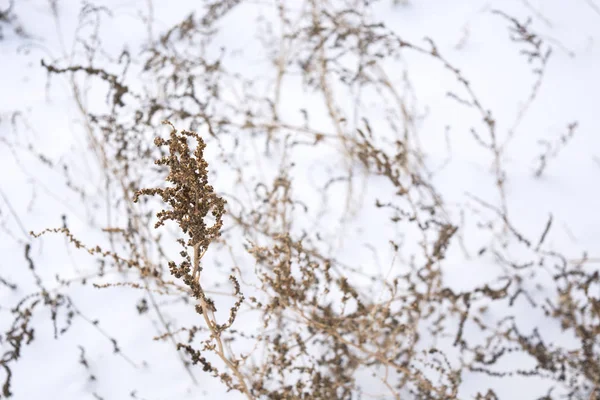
(299, 320)
(8, 18)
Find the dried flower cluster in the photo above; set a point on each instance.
(305, 315)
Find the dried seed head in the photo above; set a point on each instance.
(191, 197)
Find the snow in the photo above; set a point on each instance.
(465, 32)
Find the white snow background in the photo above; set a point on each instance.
(466, 32)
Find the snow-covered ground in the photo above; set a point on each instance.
(466, 33)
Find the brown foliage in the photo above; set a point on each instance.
(315, 326)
